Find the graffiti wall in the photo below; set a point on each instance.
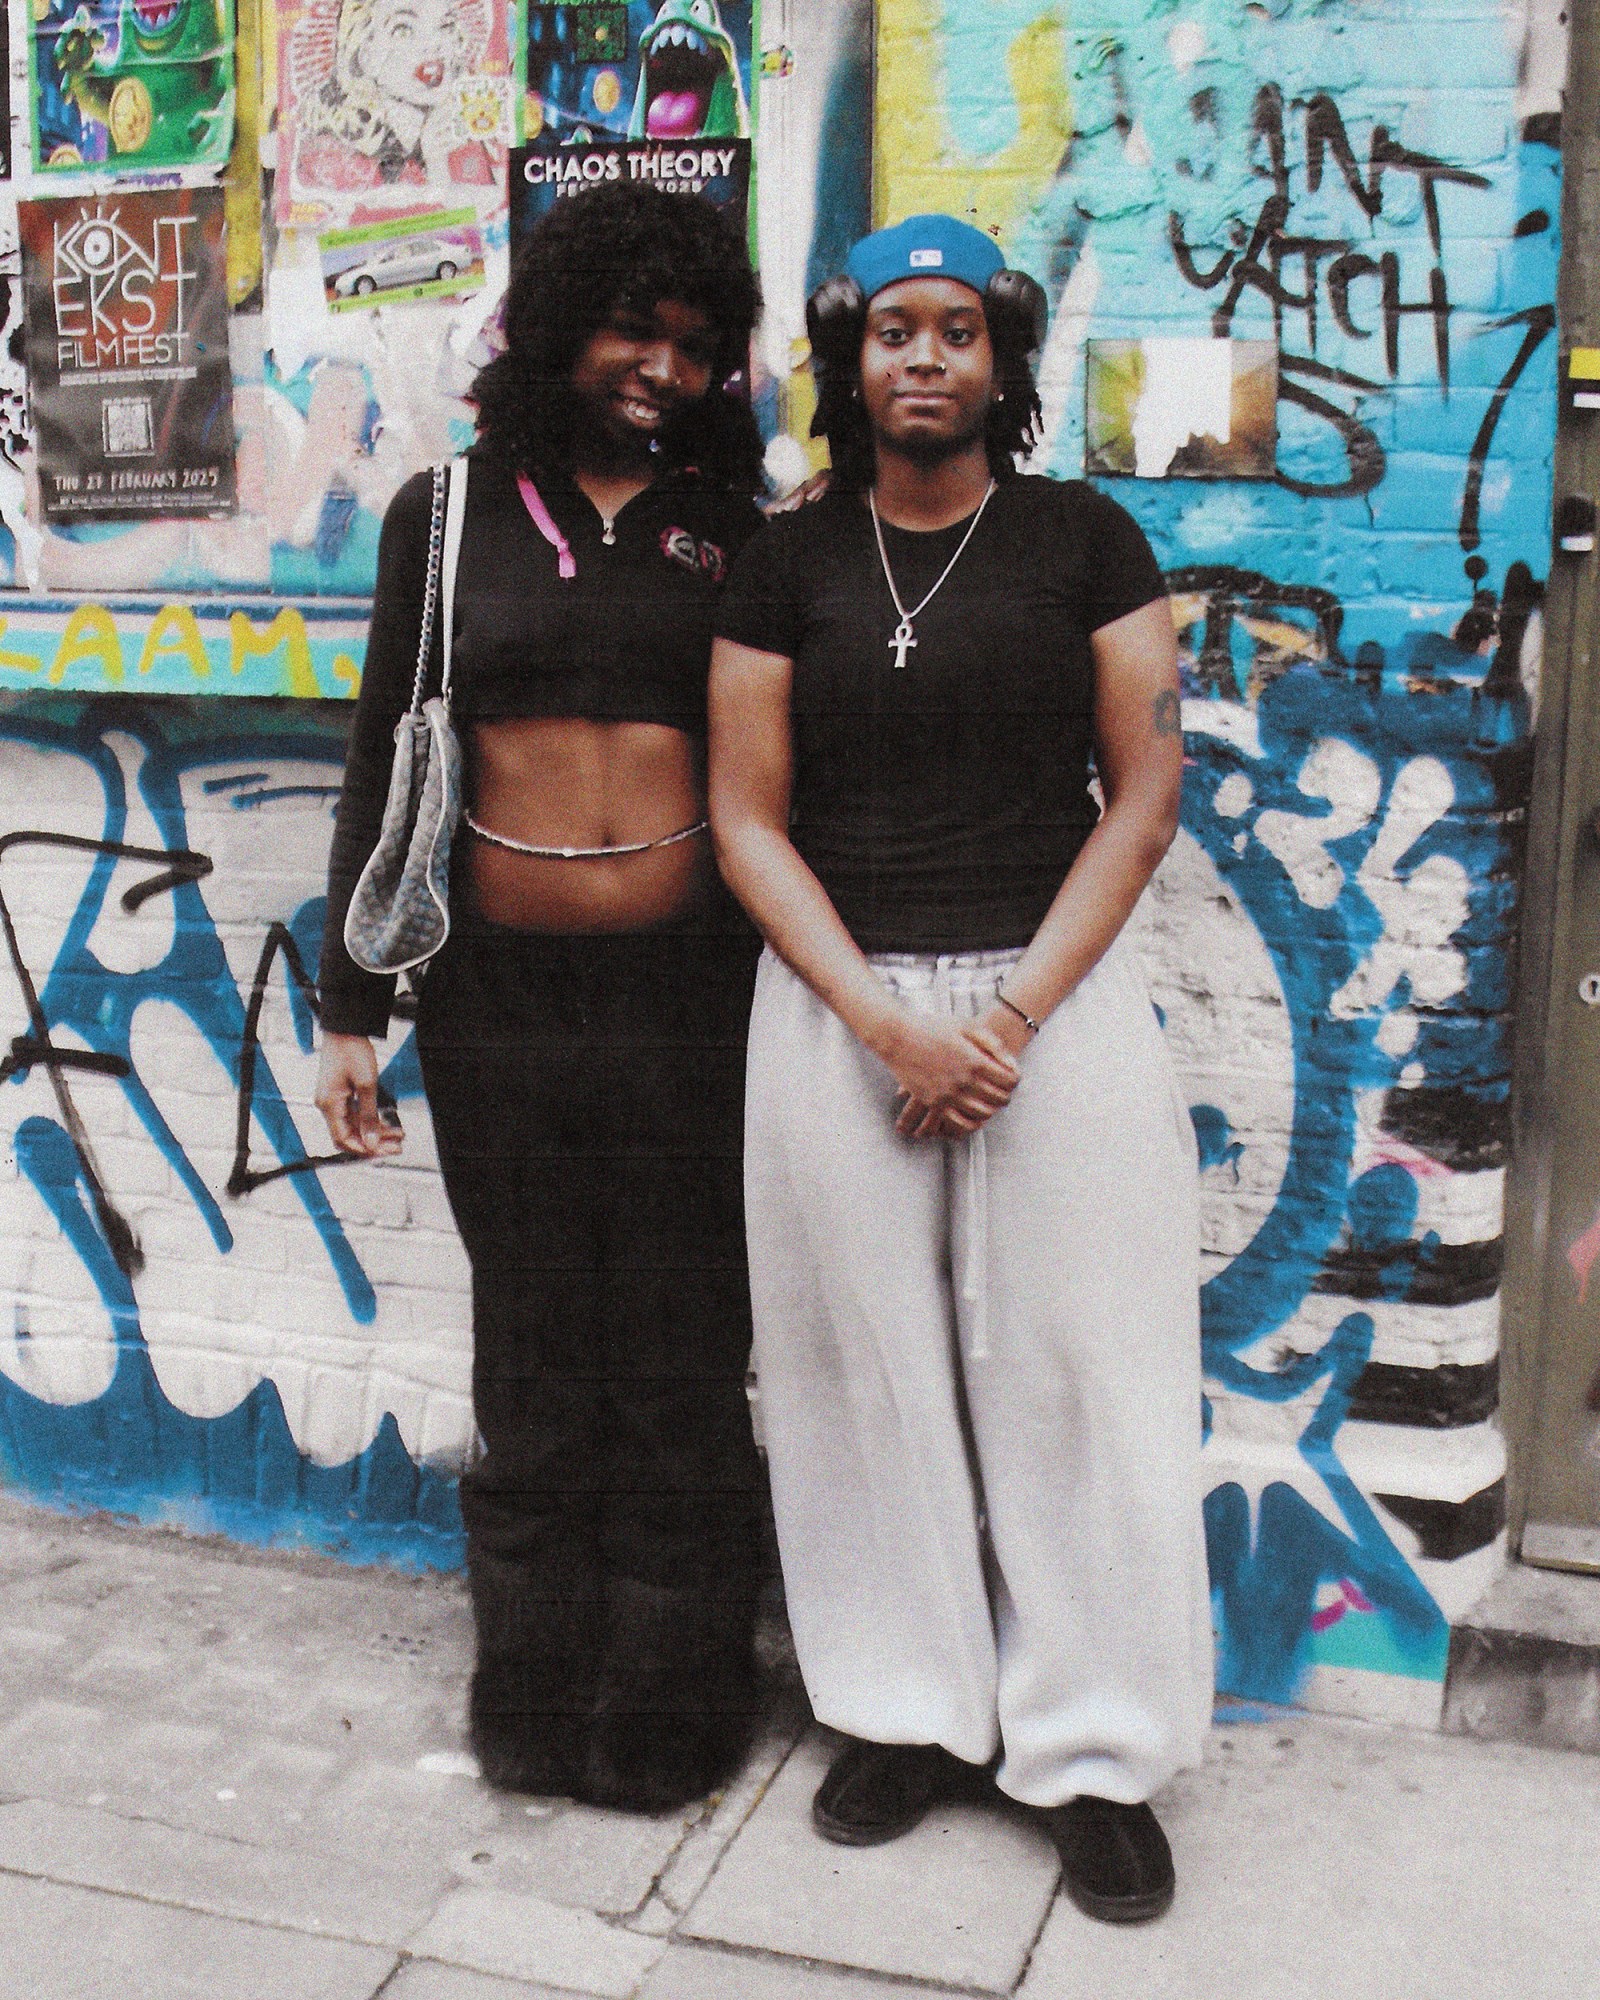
(204, 1318)
(1370, 192)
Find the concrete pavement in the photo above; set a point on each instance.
(242, 1776)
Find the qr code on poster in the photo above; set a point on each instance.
(129, 431)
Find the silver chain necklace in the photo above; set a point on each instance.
(904, 640)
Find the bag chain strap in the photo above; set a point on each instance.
(430, 595)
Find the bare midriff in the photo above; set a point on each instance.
(556, 781)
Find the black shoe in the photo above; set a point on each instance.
(877, 1791)
(1115, 1861)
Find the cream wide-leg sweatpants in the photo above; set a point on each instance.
(979, 1370)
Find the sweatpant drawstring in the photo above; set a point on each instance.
(975, 1284)
(975, 1277)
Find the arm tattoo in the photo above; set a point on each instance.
(1167, 713)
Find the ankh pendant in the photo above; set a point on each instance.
(902, 642)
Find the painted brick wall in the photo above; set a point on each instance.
(201, 1320)
(1331, 940)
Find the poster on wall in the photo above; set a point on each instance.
(650, 69)
(655, 91)
(131, 84)
(126, 314)
(432, 256)
(541, 175)
(389, 102)
(1175, 408)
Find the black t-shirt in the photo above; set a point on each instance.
(941, 804)
(627, 639)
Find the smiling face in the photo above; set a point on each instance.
(639, 368)
(411, 51)
(927, 367)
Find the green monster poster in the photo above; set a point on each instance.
(131, 84)
(648, 69)
(655, 90)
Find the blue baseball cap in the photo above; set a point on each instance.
(924, 246)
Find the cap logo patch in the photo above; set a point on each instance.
(926, 260)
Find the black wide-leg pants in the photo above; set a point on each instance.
(587, 1100)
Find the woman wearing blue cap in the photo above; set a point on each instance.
(970, 1175)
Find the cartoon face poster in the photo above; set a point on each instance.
(131, 84)
(648, 69)
(126, 313)
(379, 100)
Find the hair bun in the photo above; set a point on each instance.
(836, 315)
(1017, 306)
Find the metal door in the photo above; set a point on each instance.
(1553, 1291)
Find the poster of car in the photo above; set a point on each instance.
(131, 84)
(432, 256)
(383, 102)
(656, 69)
(126, 329)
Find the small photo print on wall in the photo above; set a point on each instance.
(1181, 409)
(131, 84)
(388, 101)
(434, 256)
(126, 314)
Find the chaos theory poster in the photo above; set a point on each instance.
(125, 297)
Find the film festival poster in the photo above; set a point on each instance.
(390, 103)
(126, 314)
(131, 84)
(655, 91)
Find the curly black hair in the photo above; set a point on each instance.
(1015, 310)
(621, 246)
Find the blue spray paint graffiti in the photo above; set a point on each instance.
(131, 1447)
(1303, 174)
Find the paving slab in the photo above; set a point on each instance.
(690, 1867)
(76, 1944)
(576, 1855)
(702, 1972)
(1390, 1865)
(958, 1902)
(424, 1980)
(378, 1802)
(360, 1900)
(527, 1938)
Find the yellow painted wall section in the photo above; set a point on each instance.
(919, 166)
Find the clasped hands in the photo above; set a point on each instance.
(954, 1076)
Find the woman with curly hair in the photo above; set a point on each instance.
(581, 1034)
